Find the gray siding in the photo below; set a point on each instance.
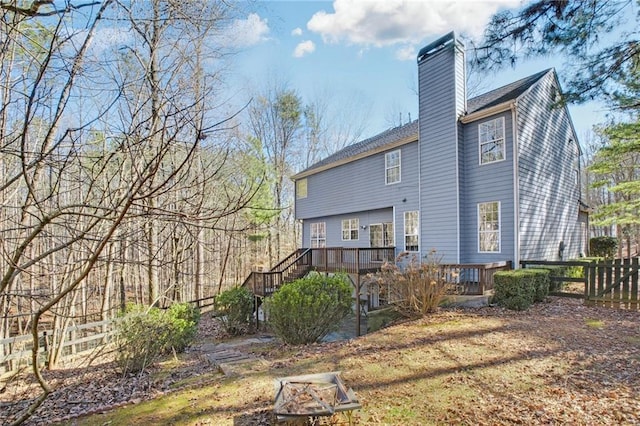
(360, 186)
(487, 183)
(442, 100)
(548, 193)
(358, 189)
(334, 227)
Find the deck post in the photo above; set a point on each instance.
(255, 303)
(326, 260)
(358, 304)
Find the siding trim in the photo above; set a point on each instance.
(396, 144)
(516, 187)
(484, 113)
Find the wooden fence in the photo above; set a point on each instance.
(78, 341)
(612, 283)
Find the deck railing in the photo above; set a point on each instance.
(335, 259)
(351, 260)
(473, 279)
(466, 278)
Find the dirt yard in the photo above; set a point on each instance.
(558, 363)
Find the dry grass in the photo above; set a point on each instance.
(557, 363)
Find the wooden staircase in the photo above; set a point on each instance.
(325, 259)
(294, 266)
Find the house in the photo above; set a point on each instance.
(487, 179)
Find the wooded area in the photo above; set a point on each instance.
(127, 175)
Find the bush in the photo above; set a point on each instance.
(415, 288)
(556, 271)
(144, 334)
(141, 337)
(578, 271)
(184, 319)
(306, 310)
(541, 283)
(517, 290)
(235, 309)
(603, 247)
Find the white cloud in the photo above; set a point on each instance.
(388, 22)
(406, 53)
(304, 48)
(248, 32)
(297, 32)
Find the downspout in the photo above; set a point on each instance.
(516, 187)
(420, 242)
(395, 230)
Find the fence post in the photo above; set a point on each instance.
(633, 299)
(593, 274)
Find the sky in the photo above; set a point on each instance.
(363, 53)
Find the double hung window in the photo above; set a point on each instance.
(492, 145)
(411, 231)
(392, 167)
(350, 229)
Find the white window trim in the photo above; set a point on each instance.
(356, 228)
(404, 231)
(387, 167)
(504, 142)
(312, 239)
(499, 227)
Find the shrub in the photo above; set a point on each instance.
(517, 290)
(306, 310)
(141, 337)
(603, 247)
(541, 284)
(184, 319)
(415, 288)
(144, 334)
(578, 271)
(555, 271)
(235, 309)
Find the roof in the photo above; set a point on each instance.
(503, 94)
(409, 131)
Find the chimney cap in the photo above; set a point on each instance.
(436, 46)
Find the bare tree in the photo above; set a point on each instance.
(108, 162)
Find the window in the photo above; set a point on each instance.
(318, 235)
(392, 167)
(489, 227)
(492, 146)
(576, 160)
(381, 234)
(301, 188)
(350, 229)
(411, 235)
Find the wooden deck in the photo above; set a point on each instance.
(469, 279)
(302, 261)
